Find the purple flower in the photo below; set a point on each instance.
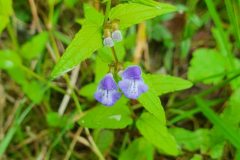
(132, 84)
(107, 91)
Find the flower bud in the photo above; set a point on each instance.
(108, 42)
(117, 35)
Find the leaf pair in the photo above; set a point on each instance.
(89, 38)
(151, 125)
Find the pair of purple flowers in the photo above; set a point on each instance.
(132, 86)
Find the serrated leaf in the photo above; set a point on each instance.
(86, 41)
(39, 41)
(139, 149)
(165, 83)
(156, 133)
(115, 117)
(207, 63)
(151, 101)
(133, 13)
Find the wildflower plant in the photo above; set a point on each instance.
(114, 90)
(118, 83)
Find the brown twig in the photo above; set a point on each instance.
(72, 145)
(142, 46)
(66, 98)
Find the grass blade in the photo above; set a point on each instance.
(226, 130)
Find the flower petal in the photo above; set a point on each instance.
(132, 88)
(108, 83)
(107, 92)
(107, 98)
(132, 72)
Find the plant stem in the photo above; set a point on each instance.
(107, 11)
(13, 36)
(115, 59)
(94, 145)
(114, 55)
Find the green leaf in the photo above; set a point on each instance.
(120, 50)
(189, 140)
(93, 15)
(165, 84)
(133, 13)
(9, 59)
(5, 13)
(86, 41)
(104, 139)
(39, 41)
(70, 3)
(197, 157)
(34, 90)
(88, 90)
(151, 3)
(56, 120)
(156, 133)
(101, 69)
(231, 113)
(151, 101)
(235, 84)
(18, 75)
(105, 54)
(207, 66)
(115, 117)
(139, 149)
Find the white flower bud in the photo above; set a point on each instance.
(117, 35)
(108, 41)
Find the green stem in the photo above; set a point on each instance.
(114, 55)
(107, 11)
(13, 36)
(94, 145)
(116, 61)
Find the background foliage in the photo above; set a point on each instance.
(52, 58)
